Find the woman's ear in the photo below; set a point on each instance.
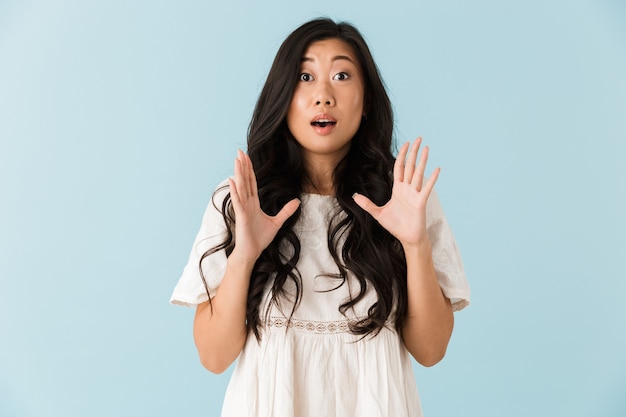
(366, 105)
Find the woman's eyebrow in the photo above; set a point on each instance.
(335, 58)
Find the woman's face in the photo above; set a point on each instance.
(327, 104)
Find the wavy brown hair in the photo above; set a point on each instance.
(370, 252)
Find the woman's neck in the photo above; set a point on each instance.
(316, 188)
(319, 178)
(320, 169)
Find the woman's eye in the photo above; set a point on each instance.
(342, 76)
(306, 77)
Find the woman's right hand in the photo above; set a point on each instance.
(254, 229)
(220, 331)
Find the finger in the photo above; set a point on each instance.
(234, 195)
(366, 204)
(398, 166)
(409, 168)
(247, 165)
(430, 184)
(252, 182)
(418, 176)
(238, 180)
(287, 211)
(242, 180)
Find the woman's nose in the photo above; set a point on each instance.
(327, 100)
(324, 96)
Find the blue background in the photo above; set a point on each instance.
(118, 118)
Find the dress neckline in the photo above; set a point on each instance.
(318, 195)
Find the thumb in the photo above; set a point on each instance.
(366, 204)
(287, 211)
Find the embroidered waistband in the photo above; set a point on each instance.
(310, 326)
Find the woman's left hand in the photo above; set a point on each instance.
(404, 215)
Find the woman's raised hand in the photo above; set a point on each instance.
(404, 215)
(254, 230)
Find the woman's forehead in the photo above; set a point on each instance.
(332, 49)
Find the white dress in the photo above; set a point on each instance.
(312, 366)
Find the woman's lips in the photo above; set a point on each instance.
(323, 128)
(323, 123)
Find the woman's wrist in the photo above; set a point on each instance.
(419, 247)
(242, 259)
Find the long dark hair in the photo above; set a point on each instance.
(371, 253)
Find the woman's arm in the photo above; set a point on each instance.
(220, 325)
(428, 325)
(429, 320)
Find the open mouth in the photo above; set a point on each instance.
(323, 123)
(323, 120)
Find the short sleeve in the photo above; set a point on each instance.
(190, 290)
(446, 256)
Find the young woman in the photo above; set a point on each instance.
(324, 262)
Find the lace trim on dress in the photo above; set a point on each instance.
(310, 326)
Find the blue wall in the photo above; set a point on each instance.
(117, 120)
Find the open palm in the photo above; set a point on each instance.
(404, 215)
(254, 229)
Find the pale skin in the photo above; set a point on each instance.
(331, 85)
